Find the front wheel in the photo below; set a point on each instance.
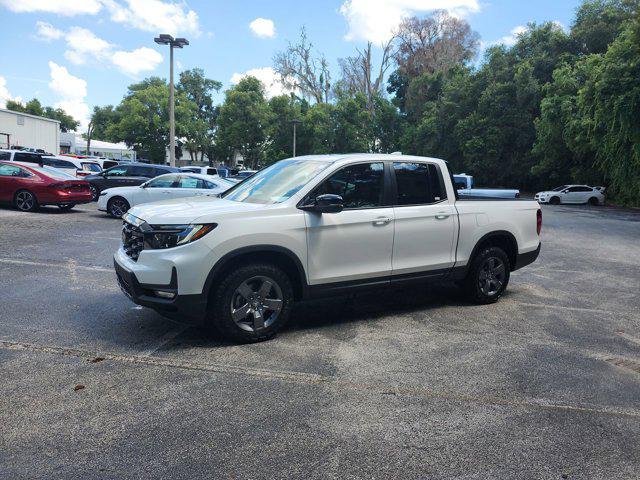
(593, 201)
(117, 207)
(25, 201)
(95, 192)
(554, 201)
(252, 303)
(488, 276)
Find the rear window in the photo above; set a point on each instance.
(91, 167)
(27, 157)
(5, 155)
(53, 173)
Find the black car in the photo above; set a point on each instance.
(126, 175)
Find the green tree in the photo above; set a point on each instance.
(243, 122)
(34, 107)
(599, 22)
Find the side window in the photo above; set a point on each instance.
(574, 189)
(5, 155)
(361, 185)
(12, 171)
(436, 183)
(412, 180)
(210, 185)
(117, 172)
(26, 157)
(165, 181)
(212, 171)
(585, 189)
(190, 182)
(138, 171)
(158, 171)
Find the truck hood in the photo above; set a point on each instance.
(182, 211)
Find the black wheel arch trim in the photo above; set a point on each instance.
(256, 249)
(459, 272)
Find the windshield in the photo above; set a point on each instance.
(91, 167)
(276, 183)
(557, 189)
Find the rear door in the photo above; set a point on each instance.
(356, 243)
(425, 220)
(164, 187)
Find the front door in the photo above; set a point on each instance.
(356, 243)
(425, 221)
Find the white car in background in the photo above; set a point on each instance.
(201, 170)
(78, 167)
(572, 194)
(117, 201)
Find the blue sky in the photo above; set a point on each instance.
(80, 53)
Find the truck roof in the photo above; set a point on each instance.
(336, 157)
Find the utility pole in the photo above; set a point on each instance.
(165, 39)
(295, 122)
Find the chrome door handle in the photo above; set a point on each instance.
(442, 216)
(382, 221)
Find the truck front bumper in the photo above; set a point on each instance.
(162, 298)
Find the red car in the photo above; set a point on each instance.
(28, 186)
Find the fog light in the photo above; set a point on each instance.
(161, 294)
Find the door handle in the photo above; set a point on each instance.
(381, 221)
(442, 216)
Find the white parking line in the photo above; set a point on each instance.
(92, 268)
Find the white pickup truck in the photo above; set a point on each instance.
(315, 226)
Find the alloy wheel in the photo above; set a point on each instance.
(256, 303)
(492, 276)
(25, 201)
(118, 207)
(94, 192)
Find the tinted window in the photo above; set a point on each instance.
(54, 162)
(212, 171)
(361, 186)
(418, 183)
(108, 164)
(190, 182)
(139, 171)
(584, 189)
(159, 171)
(165, 181)
(210, 185)
(5, 155)
(191, 169)
(436, 183)
(11, 171)
(26, 157)
(91, 167)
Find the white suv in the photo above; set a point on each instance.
(319, 225)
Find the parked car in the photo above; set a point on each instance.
(201, 170)
(27, 186)
(20, 156)
(312, 226)
(242, 174)
(78, 167)
(117, 201)
(464, 184)
(572, 194)
(126, 175)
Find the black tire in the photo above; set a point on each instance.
(95, 192)
(227, 295)
(554, 201)
(593, 201)
(66, 208)
(25, 201)
(481, 287)
(117, 207)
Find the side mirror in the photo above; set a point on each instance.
(327, 203)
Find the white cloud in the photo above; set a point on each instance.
(375, 20)
(269, 78)
(84, 45)
(511, 39)
(155, 16)
(139, 60)
(263, 28)
(61, 7)
(72, 92)
(47, 32)
(5, 96)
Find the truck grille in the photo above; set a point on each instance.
(132, 240)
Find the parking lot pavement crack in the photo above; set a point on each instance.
(318, 379)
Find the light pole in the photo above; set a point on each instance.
(295, 122)
(165, 39)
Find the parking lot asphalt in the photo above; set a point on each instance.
(411, 383)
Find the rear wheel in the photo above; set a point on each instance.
(117, 207)
(594, 201)
(252, 303)
(67, 207)
(488, 276)
(554, 201)
(25, 201)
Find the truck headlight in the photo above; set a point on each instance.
(169, 236)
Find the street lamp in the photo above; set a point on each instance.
(295, 122)
(165, 39)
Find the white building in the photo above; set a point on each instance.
(24, 130)
(73, 142)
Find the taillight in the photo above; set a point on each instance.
(82, 173)
(539, 222)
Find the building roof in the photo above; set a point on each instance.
(29, 115)
(96, 144)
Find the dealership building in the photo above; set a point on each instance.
(72, 142)
(24, 130)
